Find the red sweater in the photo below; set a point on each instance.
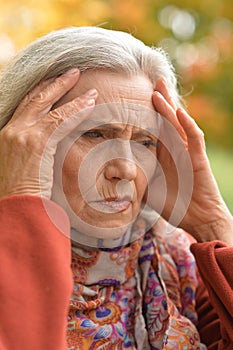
(36, 280)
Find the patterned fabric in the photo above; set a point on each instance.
(140, 296)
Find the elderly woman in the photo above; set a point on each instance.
(97, 156)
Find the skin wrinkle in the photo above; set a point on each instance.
(117, 92)
(114, 90)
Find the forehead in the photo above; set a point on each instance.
(113, 87)
(123, 116)
(121, 98)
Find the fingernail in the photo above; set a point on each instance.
(91, 93)
(89, 102)
(50, 80)
(72, 71)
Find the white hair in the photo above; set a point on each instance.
(86, 48)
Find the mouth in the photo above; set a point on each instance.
(113, 204)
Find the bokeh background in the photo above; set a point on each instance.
(197, 34)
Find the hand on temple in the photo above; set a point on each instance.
(29, 140)
(204, 212)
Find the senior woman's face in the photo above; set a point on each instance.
(109, 162)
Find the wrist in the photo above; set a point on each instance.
(220, 229)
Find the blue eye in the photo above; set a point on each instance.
(93, 134)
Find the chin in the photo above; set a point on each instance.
(101, 225)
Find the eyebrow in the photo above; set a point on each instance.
(113, 127)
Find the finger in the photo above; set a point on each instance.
(195, 135)
(164, 109)
(40, 103)
(162, 88)
(40, 87)
(62, 120)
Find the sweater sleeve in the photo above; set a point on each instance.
(215, 262)
(35, 274)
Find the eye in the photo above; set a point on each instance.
(93, 134)
(149, 143)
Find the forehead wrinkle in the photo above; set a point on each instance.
(107, 115)
(118, 87)
(126, 95)
(113, 86)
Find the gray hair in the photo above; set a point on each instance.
(85, 48)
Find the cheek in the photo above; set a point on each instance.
(70, 170)
(146, 160)
(141, 184)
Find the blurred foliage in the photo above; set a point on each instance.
(198, 36)
(222, 166)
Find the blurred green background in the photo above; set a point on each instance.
(197, 34)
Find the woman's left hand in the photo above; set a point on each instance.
(205, 205)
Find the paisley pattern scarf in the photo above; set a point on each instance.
(138, 296)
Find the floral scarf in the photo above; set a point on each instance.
(138, 296)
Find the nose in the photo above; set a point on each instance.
(120, 169)
(122, 166)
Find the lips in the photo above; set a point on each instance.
(113, 204)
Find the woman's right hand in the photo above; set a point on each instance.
(29, 140)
